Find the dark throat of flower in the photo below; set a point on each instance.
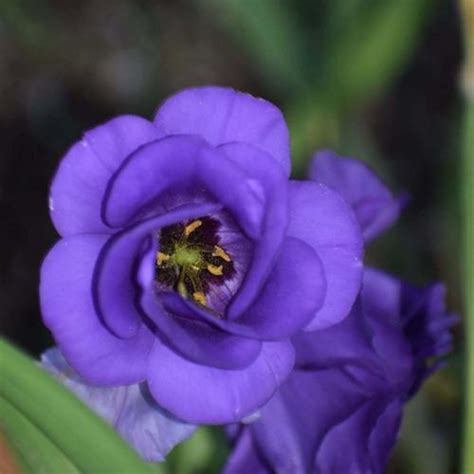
(190, 259)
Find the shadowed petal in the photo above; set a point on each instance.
(68, 311)
(223, 115)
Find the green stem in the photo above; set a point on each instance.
(467, 177)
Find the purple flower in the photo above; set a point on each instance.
(340, 410)
(188, 259)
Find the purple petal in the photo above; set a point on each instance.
(260, 168)
(115, 286)
(374, 205)
(150, 430)
(222, 115)
(68, 311)
(292, 293)
(198, 340)
(321, 218)
(181, 165)
(80, 182)
(244, 457)
(207, 395)
(294, 422)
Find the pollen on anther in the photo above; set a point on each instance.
(220, 252)
(199, 297)
(161, 257)
(215, 269)
(192, 227)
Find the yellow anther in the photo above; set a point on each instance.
(199, 297)
(214, 269)
(220, 252)
(192, 227)
(161, 257)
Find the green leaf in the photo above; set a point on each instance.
(50, 429)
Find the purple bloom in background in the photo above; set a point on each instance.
(188, 259)
(340, 410)
(375, 207)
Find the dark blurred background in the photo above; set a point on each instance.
(373, 79)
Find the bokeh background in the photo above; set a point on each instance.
(373, 79)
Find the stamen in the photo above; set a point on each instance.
(220, 252)
(199, 297)
(192, 227)
(214, 269)
(161, 257)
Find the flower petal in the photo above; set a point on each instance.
(191, 171)
(68, 311)
(195, 339)
(373, 203)
(293, 292)
(321, 218)
(149, 429)
(223, 115)
(260, 168)
(115, 285)
(81, 179)
(208, 395)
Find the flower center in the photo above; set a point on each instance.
(190, 259)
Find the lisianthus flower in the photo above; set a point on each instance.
(340, 410)
(188, 259)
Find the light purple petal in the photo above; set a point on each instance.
(207, 395)
(222, 115)
(80, 182)
(321, 218)
(375, 207)
(68, 311)
(149, 429)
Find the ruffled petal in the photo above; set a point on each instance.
(188, 169)
(80, 182)
(149, 429)
(260, 168)
(116, 288)
(223, 115)
(375, 207)
(68, 311)
(207, 395)
(321, 218)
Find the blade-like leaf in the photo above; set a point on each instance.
(53, 431)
